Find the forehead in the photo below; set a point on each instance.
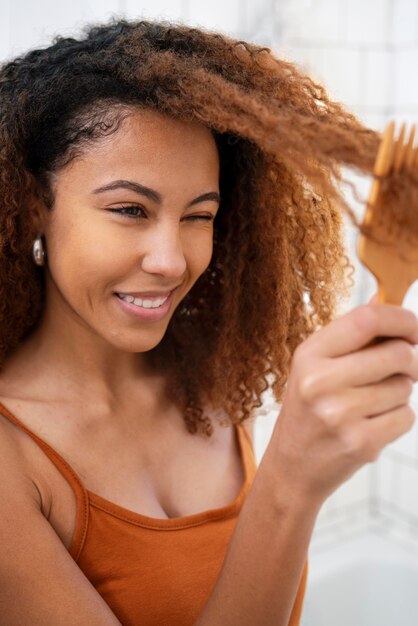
(154, 125)
(152, 145)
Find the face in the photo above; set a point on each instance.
(151, 235)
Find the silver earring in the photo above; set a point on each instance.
(38, 251)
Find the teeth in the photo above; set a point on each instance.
(146, 304)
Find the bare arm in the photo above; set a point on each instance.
(345, 400)
(40, 583)
(264, 562)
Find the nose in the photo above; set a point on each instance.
(164, 253)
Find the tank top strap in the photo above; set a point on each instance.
(249, 458)
(246, 435)
(69, 474)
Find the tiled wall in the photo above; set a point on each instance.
(366, 54)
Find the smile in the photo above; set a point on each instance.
(146, 303)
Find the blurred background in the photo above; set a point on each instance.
(366, 54)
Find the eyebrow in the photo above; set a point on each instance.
(151, 194)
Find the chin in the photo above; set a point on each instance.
(134, 344)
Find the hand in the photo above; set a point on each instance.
(345, 402)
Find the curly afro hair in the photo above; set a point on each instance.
(278, 263)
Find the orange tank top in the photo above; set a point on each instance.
(151, 571)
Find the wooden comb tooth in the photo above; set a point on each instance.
(399, 149)
(384, 156)
(392, 255)
(409, 151)
(383, 163)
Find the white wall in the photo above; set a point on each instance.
(25, 24)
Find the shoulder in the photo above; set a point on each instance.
(15, 463)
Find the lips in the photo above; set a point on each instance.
(142, 310)
(145, 302)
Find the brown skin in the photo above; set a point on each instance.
(85, 346)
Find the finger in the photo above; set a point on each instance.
(381, 430)
(356, 329)
(373, 299)
(369, 401)
(373, 364)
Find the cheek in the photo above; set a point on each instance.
(199, 251)
(81, 256)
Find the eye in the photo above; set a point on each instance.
(128, 208)
(121, 210)
(208, 218)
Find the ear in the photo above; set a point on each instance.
(40, 211)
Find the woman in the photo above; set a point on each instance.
(167, 205)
